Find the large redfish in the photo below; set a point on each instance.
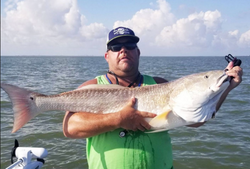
(187, 100)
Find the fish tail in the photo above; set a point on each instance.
(23, 103)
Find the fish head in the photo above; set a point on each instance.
(195, 97)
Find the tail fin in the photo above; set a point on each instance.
(23, 105)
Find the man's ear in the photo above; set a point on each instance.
(106, 56)
(139, 52)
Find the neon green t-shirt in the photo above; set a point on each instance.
(136, 150)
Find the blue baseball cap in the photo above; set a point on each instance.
(121, 32)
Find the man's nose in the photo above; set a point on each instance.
(123, 49)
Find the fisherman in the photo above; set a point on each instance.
(137, 149)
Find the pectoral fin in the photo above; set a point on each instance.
(160, 120)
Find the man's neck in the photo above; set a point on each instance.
(124, 79)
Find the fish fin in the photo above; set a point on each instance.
(160, 120)
(100, 86)
(23, 105)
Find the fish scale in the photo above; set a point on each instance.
(187, 100)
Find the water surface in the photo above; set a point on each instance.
(222, 143)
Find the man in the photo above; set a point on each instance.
(137, 149)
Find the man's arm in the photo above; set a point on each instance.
(236, 74)
(84, 124)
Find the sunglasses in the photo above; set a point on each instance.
(118, 47)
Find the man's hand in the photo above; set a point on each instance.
(236, 74)
(132, 119)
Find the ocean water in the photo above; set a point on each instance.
(222, 143)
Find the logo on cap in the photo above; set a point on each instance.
(121, 31)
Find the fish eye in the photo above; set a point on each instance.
(206, 77)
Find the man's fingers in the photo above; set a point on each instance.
(134, 119)
(230, 65)
(143, 126)
(140, 127)
(132, 101)
(236, 74)
(236, 71)
(147, 114)
(146, 125)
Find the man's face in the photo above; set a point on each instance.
(126, 59)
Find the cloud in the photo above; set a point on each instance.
(196, 30)
(149, 22)
(244, 40)
(46, 24)
(200, 33)
(58, 28)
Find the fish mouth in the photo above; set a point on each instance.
(222, 79)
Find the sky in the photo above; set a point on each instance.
(165, 27)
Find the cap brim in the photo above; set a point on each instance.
(133, 38)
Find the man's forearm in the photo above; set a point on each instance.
(84, 125)
(222, 99)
